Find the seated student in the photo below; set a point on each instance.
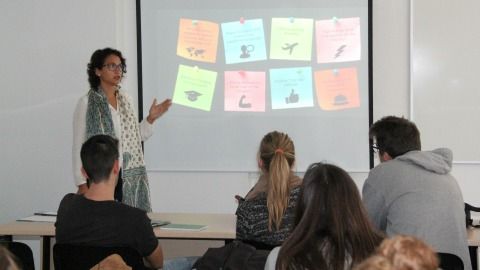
(376, 262)
(332, 229)
(401, 253)
(7, 260)
(112, 262)
(95, 218)
(265, 216)
(412, 192)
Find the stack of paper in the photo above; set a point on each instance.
(38, 218)
(44, 216)
(158, 223)
(184, 227)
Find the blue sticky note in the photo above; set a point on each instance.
(244, 41)
(291, 87)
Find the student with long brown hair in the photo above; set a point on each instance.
(265, 216)
(332, 229)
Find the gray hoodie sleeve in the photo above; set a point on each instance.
(374, 202)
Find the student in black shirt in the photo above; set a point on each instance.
(95, 218)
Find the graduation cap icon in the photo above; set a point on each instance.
(192, 95)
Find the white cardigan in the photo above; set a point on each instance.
(79, 133)
(272, 259)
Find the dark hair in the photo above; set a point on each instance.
(395, 135)
(98, 60)
(277, 153)
(331, 223)
(98, 156)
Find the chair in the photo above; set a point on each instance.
(23, 253)
(259, 245)
(468, 217)
(450, 261)
(77, 257)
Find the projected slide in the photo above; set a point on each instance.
(237, 70)
(338, 40)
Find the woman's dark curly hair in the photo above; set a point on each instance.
(98, 60)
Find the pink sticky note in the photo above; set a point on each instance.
(245, 91)
(338, 40)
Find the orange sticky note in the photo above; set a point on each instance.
(198, 40)
(337, 89)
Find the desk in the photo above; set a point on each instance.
(220, 227)
(473, 235)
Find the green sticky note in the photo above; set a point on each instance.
(291, 39)
(194, 87)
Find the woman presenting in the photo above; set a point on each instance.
(105, 109)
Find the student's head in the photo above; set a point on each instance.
(276, 148)
(408, 253)
(99, 154)
(276, 159)
(375, 262)
(7, 260)
(98, 62)
(330, 222)
(395, 136)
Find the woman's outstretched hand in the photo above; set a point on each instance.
(157, 110)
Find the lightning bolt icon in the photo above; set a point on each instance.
(340, 50)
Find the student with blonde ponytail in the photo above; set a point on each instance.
(265, 216)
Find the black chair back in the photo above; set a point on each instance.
(450, 261)
(468, 216)
(76, 257)
(22, 252)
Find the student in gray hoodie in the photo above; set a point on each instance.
(412, 192)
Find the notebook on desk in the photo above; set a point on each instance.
(184, 227)
(39, 218)
(46, 213)
(158, 223)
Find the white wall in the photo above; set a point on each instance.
(44, 51)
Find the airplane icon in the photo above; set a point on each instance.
(288, 46)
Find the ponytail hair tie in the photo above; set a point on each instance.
(279, 151)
